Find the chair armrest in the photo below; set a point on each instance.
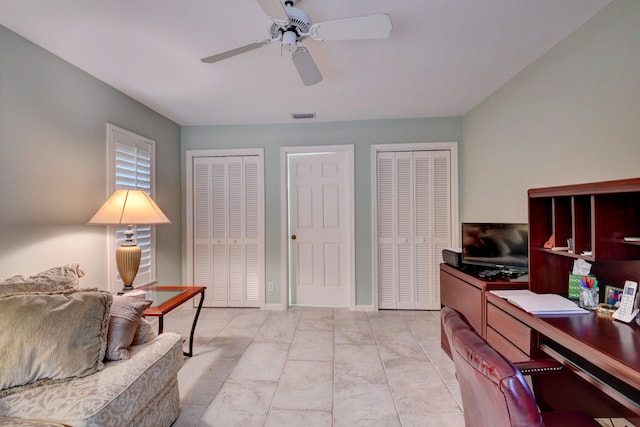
(539, 366)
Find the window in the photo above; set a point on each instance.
(131, 165)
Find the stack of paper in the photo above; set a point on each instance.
(540, 303)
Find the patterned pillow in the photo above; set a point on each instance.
(53, 279)
(144, 332)
(123, 322)
(49, 337)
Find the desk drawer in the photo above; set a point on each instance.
(505, 347)
(462, 297)
(514, 331)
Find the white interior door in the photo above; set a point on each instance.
(319, 228)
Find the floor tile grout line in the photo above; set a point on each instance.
(386, 374)
(286, 359)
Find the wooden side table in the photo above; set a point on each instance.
(167, 298)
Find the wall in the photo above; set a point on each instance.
(53, 165)
(361, 134)
(571, 117)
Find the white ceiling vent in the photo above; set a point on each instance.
(297, 116)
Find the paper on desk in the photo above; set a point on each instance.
(540, 303)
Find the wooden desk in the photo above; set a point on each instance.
(167, 298)
(464, 291)
(599, 351)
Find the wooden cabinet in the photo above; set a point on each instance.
(596, 217)
(464, 291)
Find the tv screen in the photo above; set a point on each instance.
(497, 245)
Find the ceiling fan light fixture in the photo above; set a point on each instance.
(289, 41)
(290, 25)
(306, 67)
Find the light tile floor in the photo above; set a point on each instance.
(315, 367)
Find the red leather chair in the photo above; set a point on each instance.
(494, 391)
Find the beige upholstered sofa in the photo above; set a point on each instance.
(140, 391)
(82, 357)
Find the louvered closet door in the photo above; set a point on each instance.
(227, 231)
(414, 225)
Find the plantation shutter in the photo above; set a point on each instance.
(133, 159)
(414, 225)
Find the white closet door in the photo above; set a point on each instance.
(218, 284)
(414, 225)
(227, 229)
(405, 230)
(387, 265)
(252, 231)
(202, 227)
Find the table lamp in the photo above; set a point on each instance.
(129, 207)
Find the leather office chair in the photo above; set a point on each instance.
(494, 391)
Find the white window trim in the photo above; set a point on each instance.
(114, 282)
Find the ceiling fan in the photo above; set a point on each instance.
(291, 25)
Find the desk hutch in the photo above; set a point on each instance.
(602, 356)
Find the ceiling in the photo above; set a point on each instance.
(443, 57)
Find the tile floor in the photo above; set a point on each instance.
(315, 367)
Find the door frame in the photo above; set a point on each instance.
(452, 147)
(189, 156)
(284, 215)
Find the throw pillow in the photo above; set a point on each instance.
(144, 332)
(53, 279)
(51, 337)
(123, 322)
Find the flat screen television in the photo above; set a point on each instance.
(502, 246)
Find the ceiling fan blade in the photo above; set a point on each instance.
(274, 9)
(306, 67)
(364, 27)
(236, 51)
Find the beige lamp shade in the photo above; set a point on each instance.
(129, 207)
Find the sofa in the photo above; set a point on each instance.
(82, 357)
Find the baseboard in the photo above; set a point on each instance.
(274, 307)
(280, 307)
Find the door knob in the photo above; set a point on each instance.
(293, 237)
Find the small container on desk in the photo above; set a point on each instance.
(589, 298)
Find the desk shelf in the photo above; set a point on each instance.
(596, 217)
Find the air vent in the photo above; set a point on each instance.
(303, 115)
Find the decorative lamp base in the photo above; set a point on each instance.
(128, 262)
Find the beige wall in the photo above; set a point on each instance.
(573, 116)
(53, 120)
